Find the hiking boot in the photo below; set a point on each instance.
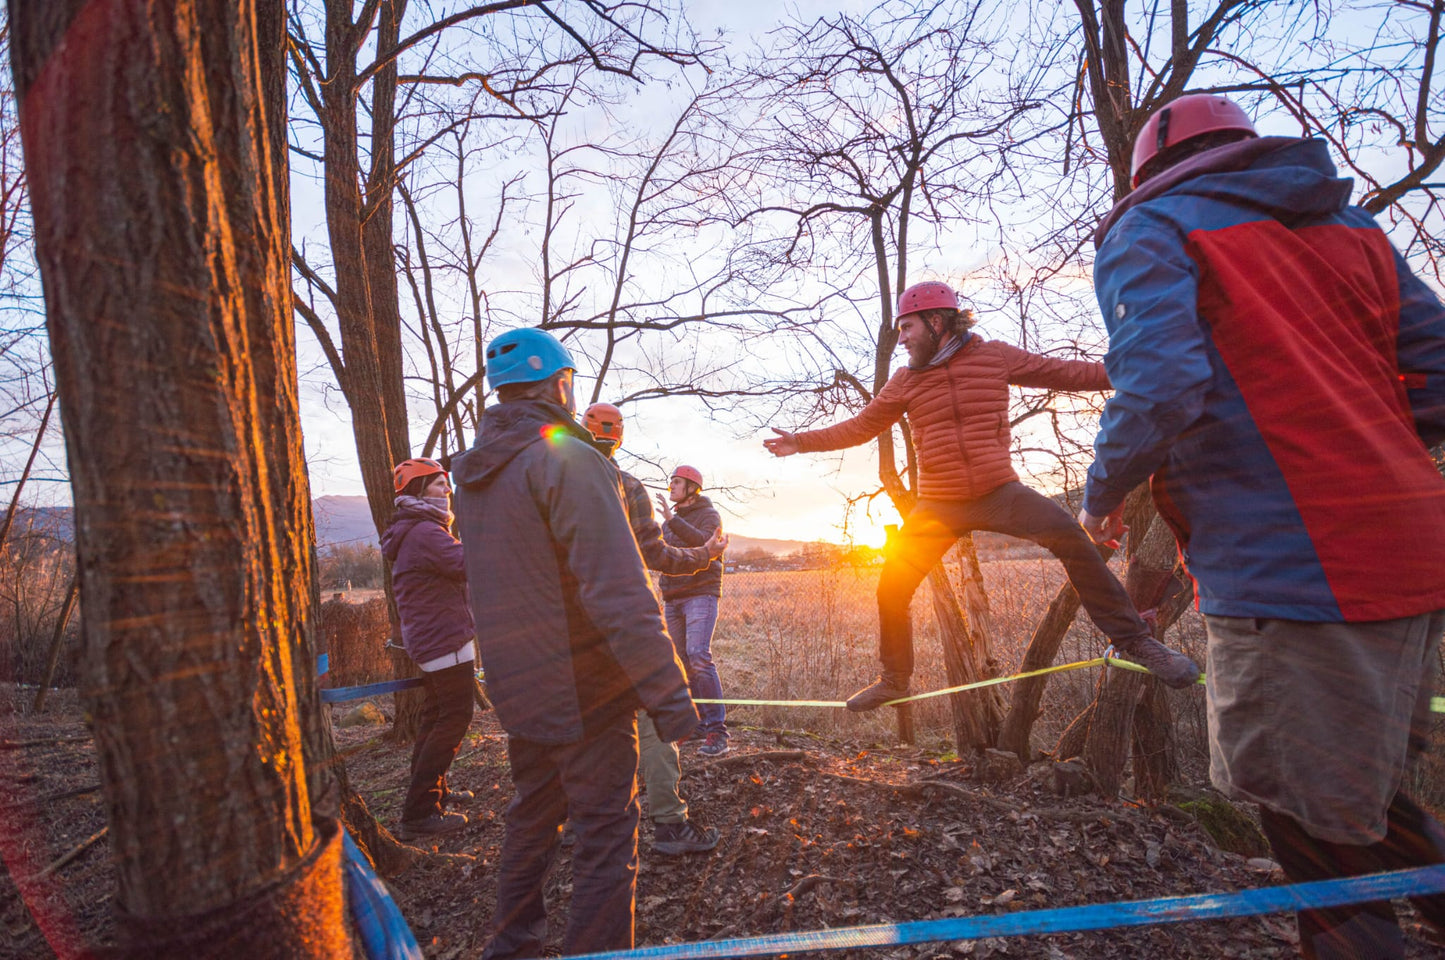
(453, 797)
(716, 745)
(433, 826)
(890, 686)
(1171, 666)
(671, 839)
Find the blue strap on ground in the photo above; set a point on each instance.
(1207, 906)
(342, 694)
(323, 664)
(383, 930)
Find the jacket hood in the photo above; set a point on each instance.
(1283, 177)
(393, 535)
(506, 430)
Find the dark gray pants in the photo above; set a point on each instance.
(935, 525)
(594, 783)
(1358, 930)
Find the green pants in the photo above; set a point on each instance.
(661, 772)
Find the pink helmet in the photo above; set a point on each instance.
(1189, 116)
(929, 295)
(689, 473)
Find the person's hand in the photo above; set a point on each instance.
(717, 543)
(1104, 531)
(664, 506)
(785, 444)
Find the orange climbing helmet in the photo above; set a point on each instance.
(409, 470)
(604, 421)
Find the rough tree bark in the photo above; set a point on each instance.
(151, 140)
(1043, 649)
(1149, 579)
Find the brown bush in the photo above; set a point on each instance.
(356, 635)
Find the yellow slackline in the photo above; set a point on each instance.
(1437, 704)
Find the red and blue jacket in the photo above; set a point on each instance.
(1279, 371)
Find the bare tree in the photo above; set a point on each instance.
(886, 137)
(151, 136)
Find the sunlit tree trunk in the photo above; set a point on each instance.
(155, 157)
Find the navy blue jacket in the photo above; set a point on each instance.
(569, 631)
(428, 578)
(1279, 370)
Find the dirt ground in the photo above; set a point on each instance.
(815, 833)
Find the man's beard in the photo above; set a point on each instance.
(919, 354)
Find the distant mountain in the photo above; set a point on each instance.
(348, 520)
(343, 520)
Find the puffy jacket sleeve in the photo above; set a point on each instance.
(1031, 370)
(695, 529)
(1157, 360)
(441, 552)
(583, 506)
(657, 554)
(1420, 351)
(882, 412)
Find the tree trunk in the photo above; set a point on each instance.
(967, 639)
(162, 238)
(1148, 579)
(53, 655)
(1016, 734)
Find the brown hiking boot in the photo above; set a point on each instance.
(890, 686)
(1171, 666)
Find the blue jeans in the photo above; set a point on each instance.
(690, 623)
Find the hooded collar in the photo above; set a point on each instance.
(506, 430)
(1301, 180)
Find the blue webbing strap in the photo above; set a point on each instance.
(323, 664)
(383, 930)
(1206, 906)
(341, 694)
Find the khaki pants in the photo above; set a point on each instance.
(661, 772)
(1317, 721)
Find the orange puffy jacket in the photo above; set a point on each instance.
(959, 414)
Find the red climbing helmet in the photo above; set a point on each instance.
(928, 295)
(689, 473)
(1189, 116)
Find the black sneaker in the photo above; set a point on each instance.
(433, 826)
(671, 839)
(890, 686)
(716, 745)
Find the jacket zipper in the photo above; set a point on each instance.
(958, 425)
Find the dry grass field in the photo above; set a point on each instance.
(813, 635)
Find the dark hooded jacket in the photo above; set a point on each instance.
(657, 553)
(428, 576)
(692, 525)
(569, 632)
(1280, 371)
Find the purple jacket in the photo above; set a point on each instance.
(429, 579)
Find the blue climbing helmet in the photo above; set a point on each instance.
(525, 356)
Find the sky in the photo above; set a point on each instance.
(799, 498)
(803, 497)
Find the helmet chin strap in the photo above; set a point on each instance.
(935, 337)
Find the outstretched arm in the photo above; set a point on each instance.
(881, 413)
